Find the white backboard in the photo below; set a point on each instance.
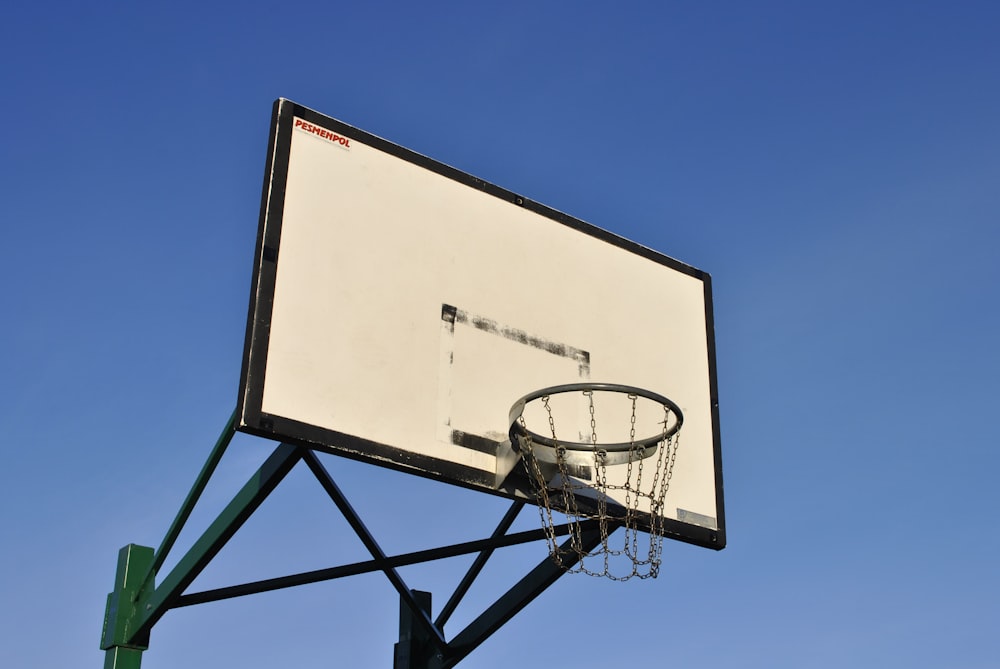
(399, 307)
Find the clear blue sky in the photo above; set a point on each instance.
(834, 166)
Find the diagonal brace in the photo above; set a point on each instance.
(153, 605)
(421, 616)
(479, 563)
(519, 596)
(194, 494)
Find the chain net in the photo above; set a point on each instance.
(588, 481)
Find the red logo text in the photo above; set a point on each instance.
(322, 132)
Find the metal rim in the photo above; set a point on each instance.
(518, 431)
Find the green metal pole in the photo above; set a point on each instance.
(122, 658)
(123, 647)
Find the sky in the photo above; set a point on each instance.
(833, 165)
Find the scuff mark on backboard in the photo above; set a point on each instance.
(455, 315)
(479, 424)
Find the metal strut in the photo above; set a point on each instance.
(137, 603)
(415, 651)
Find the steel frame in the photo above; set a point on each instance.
(137, 603)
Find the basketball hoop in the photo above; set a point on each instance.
(620, 481)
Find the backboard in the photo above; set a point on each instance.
(400, 306)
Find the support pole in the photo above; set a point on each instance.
(123, 648)
(416, 649)
(120, 657)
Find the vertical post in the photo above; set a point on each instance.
(415, 649)
(133, 583)
(120, 657)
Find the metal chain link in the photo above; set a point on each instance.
(562, 496)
